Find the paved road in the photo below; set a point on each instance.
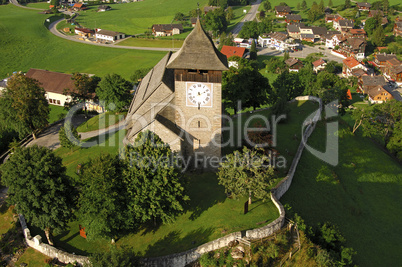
(304, 53)
(248, 17)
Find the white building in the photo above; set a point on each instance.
(108, 36)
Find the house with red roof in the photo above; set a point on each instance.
(319, 65)
(350, 64)
(230, 51)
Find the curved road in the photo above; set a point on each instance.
(15, 2)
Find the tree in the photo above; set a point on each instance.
(314, 12)
(286, 56)
(138, 74)
(68, 136)
(179, 16)
(290, 83)
(262, 14)
(85, 87)
(103, 199)
(23, 105)
(370, 25)
(330, 4)
(122, 256)
(246, 173)
(245, 84)
(215, 21)
(253, 51)
(154, 180)
(275, 65)
(348, 4)
(321, 6)
(266, 5)
(54, 3)
(378, 38)
(304, 5)
(230, 14)
(114, 90)
(226, 40)
(40, 188)
(385, 5)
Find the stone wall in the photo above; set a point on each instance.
(50, 251)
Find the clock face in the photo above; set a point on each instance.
(199, 94)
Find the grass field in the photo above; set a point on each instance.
(26, 43)
(56, 113)
(362, 195)
(42, 5)
(137, 17)
(144, 42)
(100, 121)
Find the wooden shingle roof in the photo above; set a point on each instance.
(198, 53)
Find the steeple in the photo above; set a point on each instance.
(198, 53)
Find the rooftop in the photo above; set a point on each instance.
(283, 9)
(229, 51)
(54, 82)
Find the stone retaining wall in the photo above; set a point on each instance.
(50, 251)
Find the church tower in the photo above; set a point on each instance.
(180, 99)
(198, 67)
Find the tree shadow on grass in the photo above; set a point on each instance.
(174, 243)
(204, 193)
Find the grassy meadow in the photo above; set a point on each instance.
(362, 195)
(26, 43)
(137, 17)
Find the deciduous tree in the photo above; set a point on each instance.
(40, 188)
(378, 38)
(68, 136)
(154, 180)
(103, 198)
(23, 105)
(246, 173)
(114, 92)
(85, 87)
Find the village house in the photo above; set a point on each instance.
(293, 18)
(393, 70)
(381, 58)
(282, 11)
(84, 32)
(374, 13)
(333, 39)
(108, 36)
(398, 28)
(344, 25)
(193, 22)
(230, 51)
(79, 7)
(55, 83)
(331, 17)
(167, 29)
(356, 33)
(319, 65)
(379, 94)
(369, 82)
(294, 64)
(335, 22)
(103, 8)
(363, 6)
(349, 65)
(294, 30)
(354, 47)
(277, 40)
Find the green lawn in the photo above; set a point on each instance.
(26, 43)
(56, 113)
(208, 216)
(42, 5)
(137, 17)
(100, 121)
(144, 42)
(362, 195)
(33, 258)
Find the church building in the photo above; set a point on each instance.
(180, 100)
